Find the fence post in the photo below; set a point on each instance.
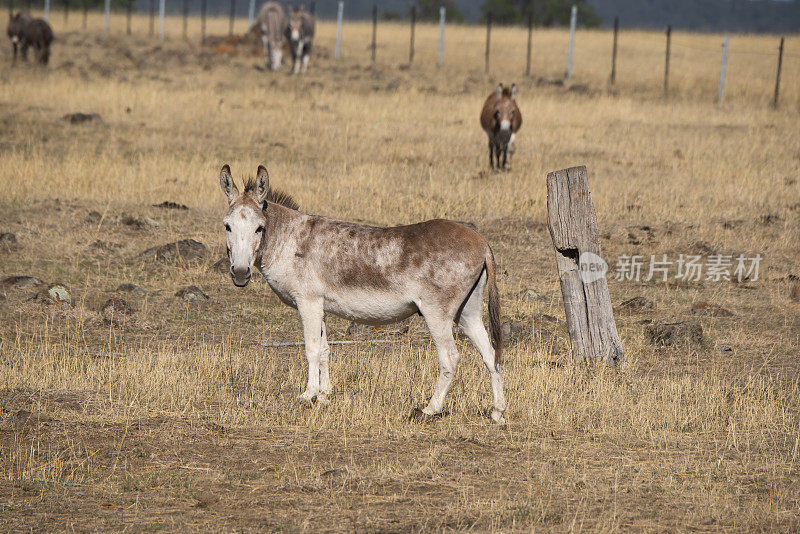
(47, 10)
(66, 11)
(573, 19)
(337, 51)
(581, 270)
(413, 25)
(161, 13)
(85, 13)
(152, 16)
(185, 31)
(614, 52)
(666, 63)
(107, 20)
(232, 16)
(722, 68)
(530, 42)
(128, 16)
(488, 40)
(441, 36)
(374, 30)
(778, 76)
(10, 7)
(251, 13)
(203, 6)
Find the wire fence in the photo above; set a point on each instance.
(688, 64)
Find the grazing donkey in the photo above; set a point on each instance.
(438, 269)
(300, 34)
(501, 119)
(272, 23)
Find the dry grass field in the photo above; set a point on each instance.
(175, 417)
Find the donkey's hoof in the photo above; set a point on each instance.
(322, 399)
(306, 399)
(497, 417)
(424, 417)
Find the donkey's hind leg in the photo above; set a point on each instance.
(441, 330)
(472, 324)
(491, 154)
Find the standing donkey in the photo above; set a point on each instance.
(501, 119)
(26, 31)
(300, 34)
(438, 269)
(272, 25)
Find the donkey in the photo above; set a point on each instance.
(16, 27)
(300, 34)
(272, 23)
(501, 119)
(372, 275)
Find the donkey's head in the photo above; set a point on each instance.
(244, 222)
(295, 30)
(505, 108)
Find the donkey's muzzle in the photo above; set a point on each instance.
(241, 276)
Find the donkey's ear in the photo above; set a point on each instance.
(262, 184)
(499, 90)
(226, 183)
(514, 91)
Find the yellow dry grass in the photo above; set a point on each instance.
(180, 420)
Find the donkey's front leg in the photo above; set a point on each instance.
(324, 376)
(311, 315)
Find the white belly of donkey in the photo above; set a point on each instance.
(370, 307)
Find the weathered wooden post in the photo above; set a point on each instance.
(581, 269)
(723, 67)
(339, 15)
(488, 41)
(614, 52)
(185, 32)
(413, 27)
(162, 6)
(778, 76)
(442, 12)
(530, 40)
(573, 20)
(232, 17)
(152, 17)
(374, 44)
(666, 61)
(203, 7)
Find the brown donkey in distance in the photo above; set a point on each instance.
(501, 119)
(371, 275)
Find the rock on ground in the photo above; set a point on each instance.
(191, 294)
(185, 251)
(684, 334)
(22, 281)
(115, 310)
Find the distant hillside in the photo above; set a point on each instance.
(701, 15)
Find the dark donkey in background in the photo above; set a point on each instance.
(25, 31)
(300, 34)
(371, 275)
(501, 119)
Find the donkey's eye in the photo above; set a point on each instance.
(259, 229)
(227, 227)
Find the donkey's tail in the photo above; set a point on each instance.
(494, 307)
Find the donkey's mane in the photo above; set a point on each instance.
(274, 195)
